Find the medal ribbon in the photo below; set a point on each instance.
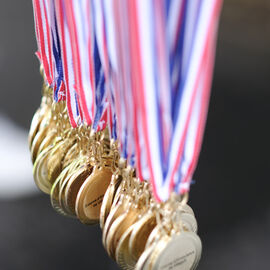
(49, 51)
(43, 35)
(152, 61)
(110, 42)
(171, 101)
(105, 44)
(58, 78)
(125, 91)
(101, 44)
(89, 78)
(68, 69)
(80, 27)
(193, 86)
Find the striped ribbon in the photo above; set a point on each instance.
(80, 26)
(43, 35)
(68, 69)
(194, 83)
(111, 41)
(142, 67)
(48, 46)
(58, 78)
(83, 73)
(167, 50)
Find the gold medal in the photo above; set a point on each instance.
(73, 186)
(115, 227)
(75, 166)
(34, 127)
(71, 155)
(36, 121)
(119, 206)
(185, 208)
(118, 193)
(48, 140)
(115, 212)
(154, 235)
(141, 231)
(108, 199)
(179, 251)
(91, 194)
(40, 170)
(143, 262)
(54, 194)
(122, 254)
(118, 228)
(55, 161)
(41, 134)
(189, 222)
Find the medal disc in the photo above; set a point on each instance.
(55, 161)
(35, 123)
(54, 194)
(91, 194)
(143, 262)
(111, 234)
(34, 127)
(48, 140)
(189, 222)
(71, 155)
(115, 212)
(141, 231)
(118, 228)
(152, 237)
(74, 168)
(123, 256)
(180, 251)
(108, 199)
(40, 170)
(186, 209)
(119, 191)
(73, 186)
(40, 136)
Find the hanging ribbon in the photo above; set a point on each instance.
(49, 52)
(66, 52)
(116, 73)
(143, 67)
(43, 35)
(82, 43)
(198, 119)
(58, 78)
(191, 86)
(164, 48)
(89, 79)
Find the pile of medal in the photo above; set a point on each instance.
(86, 178)
(119, 130)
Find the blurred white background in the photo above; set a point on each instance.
(15, 163)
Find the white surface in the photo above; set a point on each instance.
(16, 178)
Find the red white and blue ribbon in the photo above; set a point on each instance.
(147, 69)
(68, 69)
(196, 126)
(88, 72)
(111, 41)
(144, 68)
(105, 42)
(43, 35)
(48, 46)
(58, 75)
(194, 83)
(80, 26)
(169, 45)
